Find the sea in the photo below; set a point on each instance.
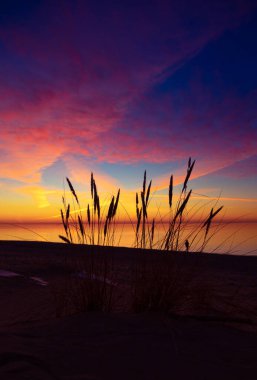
(228, 238)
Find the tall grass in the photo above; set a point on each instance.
(172, 239)
(144, 232)
(175, 237)
(160, 284)
(87, 286)
(154, 283)
(96, 224)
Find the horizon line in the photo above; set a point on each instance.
(127, 222)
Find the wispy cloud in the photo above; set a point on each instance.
(88, 79)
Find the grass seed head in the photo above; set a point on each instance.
(92, 185)
(81, 227)
(88, 215)
(144, 182)
(67, 213)
(72, 190)
(139, 220)
(171, 191)
(66, 240)
(148, 192)
(116, 204)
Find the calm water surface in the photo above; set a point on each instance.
(234, 238)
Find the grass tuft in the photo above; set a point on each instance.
(94, 227)
(98, 224)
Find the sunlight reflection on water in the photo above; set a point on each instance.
(233, 238)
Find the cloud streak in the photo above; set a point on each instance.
(84, 79)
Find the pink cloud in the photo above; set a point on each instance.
(79, 73)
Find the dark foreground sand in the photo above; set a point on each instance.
(209, 333)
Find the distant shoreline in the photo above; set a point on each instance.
(20, 246)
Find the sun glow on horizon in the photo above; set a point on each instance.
(136, 87)
(42, 205)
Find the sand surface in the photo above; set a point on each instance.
(209, 333)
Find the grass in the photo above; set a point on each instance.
(148, 283)
(97, 226)
(155, 285)
(173, 284)
(160, 285)
(87, 286)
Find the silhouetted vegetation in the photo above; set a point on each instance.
(96, 226)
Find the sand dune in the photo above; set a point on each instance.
(212, 334)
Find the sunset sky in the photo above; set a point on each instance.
(117, 87)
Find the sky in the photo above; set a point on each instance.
(120, 87)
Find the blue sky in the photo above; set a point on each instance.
(120, 88)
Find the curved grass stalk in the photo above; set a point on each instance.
(98, 226)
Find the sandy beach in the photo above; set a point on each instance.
(208, 330)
